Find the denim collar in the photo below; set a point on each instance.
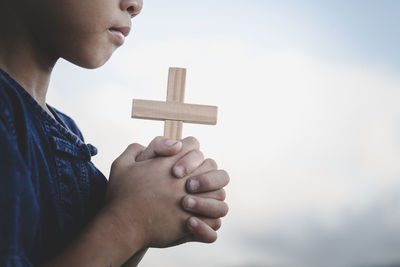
(64, 139)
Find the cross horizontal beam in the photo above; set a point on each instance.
(174, 111)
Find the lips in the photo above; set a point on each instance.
(119, 34)
(124, 30)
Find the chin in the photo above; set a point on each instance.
(91, 59)
(92, 63)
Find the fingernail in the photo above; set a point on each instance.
(179, 171)
(171, 142)
(190, 203)
(193, 185)
(193, 223)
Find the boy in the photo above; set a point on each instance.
(56, 208)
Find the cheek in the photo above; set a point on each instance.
(80, 34)
(75, 30)
(88, 50)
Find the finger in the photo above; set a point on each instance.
(215, 224)
(130, 154)
(188, 144)
(207, 166)
(217, 194)
(160, 146)
(188, 163)
(194, 234)
(201, 231)
(206, 182)
(206, 207)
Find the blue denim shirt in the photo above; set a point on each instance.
(49, 188)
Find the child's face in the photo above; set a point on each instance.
(83, 32)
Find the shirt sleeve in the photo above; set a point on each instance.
(19, 208)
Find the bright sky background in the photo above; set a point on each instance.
(309, 122)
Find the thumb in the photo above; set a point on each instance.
(130, 154)
(160, 146)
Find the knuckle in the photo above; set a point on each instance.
(212, 238)
(217, 224)
(225, 174)
(134, 146)
(212, 163)
(208, 237)
(199, 153)
(223, 177)
(193, 141)
(158, 139)
(221, 194)
(224, 210)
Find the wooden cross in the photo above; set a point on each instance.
(174, 112)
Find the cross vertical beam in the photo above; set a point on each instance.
(175, 93)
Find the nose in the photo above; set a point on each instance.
(133, 7)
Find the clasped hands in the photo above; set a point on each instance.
(170, 191)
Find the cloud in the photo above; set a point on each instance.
(369, 237)
(309, 145)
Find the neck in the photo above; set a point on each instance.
(23, 57)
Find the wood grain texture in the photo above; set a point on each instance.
(176, 85)
(175, 93)
(174, 111)
(158, 110)
(173, 130)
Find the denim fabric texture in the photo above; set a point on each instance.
(49, 188)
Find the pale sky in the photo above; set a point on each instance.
(308, 125)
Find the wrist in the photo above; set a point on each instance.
(127, 234)
(106, 241)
